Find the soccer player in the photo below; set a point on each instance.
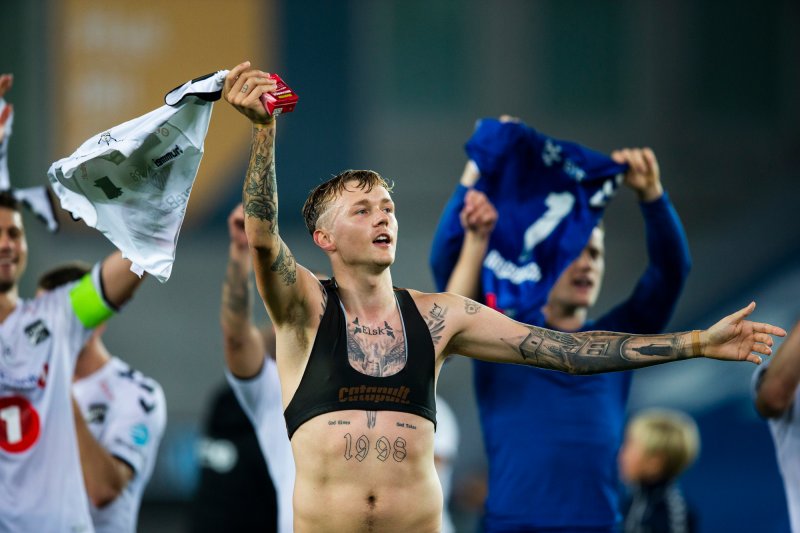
(252, 372)
(777, 398)
(358, 359)
(120, 416)
(556, 468)
(41, 486)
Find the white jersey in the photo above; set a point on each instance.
(786, 436)
(260, 397)
(445, 447)
(41, 483)
(126, 412)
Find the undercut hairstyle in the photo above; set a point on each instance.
(668, 433)
(8, 201)
(63, 274)
(320, 198)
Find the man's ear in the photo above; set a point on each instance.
(324, 240)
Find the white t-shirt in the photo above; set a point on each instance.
(127, 413)
(786, 436)
(41, 484)
(445, 446)
(260, 397)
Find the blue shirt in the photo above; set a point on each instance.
(552, 438)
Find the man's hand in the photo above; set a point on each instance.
(479, 215)
(243, 89)
(735, 339)
(239, 246)
(643, 175)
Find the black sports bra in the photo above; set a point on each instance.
(329, 383)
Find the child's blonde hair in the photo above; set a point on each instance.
(671, 434)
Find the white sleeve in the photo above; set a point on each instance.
(445, 440)
(259, 396)
(136, 426)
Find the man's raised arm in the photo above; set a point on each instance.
(480, 332)
(276, 270)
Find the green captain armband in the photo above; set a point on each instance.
(89, 306)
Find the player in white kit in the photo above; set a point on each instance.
(41, 486)
(120, 419)
(252, 374)
(777, 398)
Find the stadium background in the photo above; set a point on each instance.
(396, 86)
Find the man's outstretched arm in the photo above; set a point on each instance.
(474, 330)
(282, 290)
(778, 384)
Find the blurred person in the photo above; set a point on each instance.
(41, 484)
(120, 417)
(235, 491)
(445, 452)
(358, 362)
(777, 398)
(659, 445)
(252, 372)
(556, 468)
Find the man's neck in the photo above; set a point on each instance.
(365, 294)
(8, 302)
(564, 317)
(92, 358)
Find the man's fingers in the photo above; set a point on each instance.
(233, 75)
(753, 358)
(741, 314)
(650, 160)
(768, 329)
(761, 348)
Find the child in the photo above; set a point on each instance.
(659, 445)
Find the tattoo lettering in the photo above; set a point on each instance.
(471, 307)
(372, 418)
(338, 422)
(598, 351)
(366, 330)
(374, 354)
(435, 321)
(285, 266)
(382, 446)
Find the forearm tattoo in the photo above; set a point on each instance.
(598, 351)
(260, 192)
(435, 321)
(236, 291)
(285, 265)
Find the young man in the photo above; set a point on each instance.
(252, 372)
(777, 398)
(556, 468)
(41, 485)
(120, 416)
(358, 362)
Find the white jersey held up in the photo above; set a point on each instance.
(126, 413)
(41, 484)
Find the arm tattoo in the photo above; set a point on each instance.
(236, 291)
(260, 192)
(598, 351)
(285, 265)
(435, 321)
(471, 307)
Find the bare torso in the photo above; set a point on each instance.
(362, 471)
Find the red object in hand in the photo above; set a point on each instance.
(282, 100)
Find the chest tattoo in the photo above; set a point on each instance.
(376, 349)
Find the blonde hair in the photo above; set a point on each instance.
(671, 434)
(320, 198)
